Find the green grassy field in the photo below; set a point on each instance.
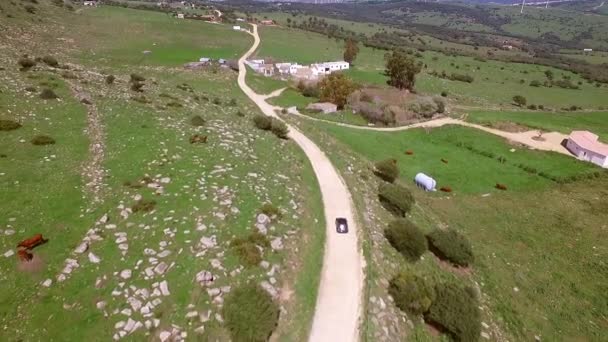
(262, 84)
(451, 143)
(558, 122)
(291, 97)
(211, 190)
(530, 243)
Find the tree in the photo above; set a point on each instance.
(351, 49)
(412, 293)
(407, 238)
(387, 170)
(336, 88)
(401, 70)
(549, 75)
(520, 100)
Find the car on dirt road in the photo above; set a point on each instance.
(341, 225)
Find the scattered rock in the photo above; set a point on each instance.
(204, 278)
(125, 274)
(164, 288)
(94, 258)
(263, 219)
(9, 253)
(164, 336)
(161, 268)
(47, 283)
(82, 247)
(277, 244)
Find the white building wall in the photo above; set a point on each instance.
(586, 155)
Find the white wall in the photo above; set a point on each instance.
(584, 154)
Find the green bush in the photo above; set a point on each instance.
(26, 63)
(519, 100)
(395, 198)
(271, 211)
(110, 79)
(9, 125)
(143, 205)
(408, 239)
(247, 248)
(137, 86)
(41, 140)
(250, 313)
(444, 94)
(450, 245)
(456, 309)
(197, 120)
(279, 128)
(440, 104)
(50, 61)
(262, 121)
(535, 83)
(412, 293)
(387, 170)
(135, 78)
(48, 94)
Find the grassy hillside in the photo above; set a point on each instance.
(158, 198)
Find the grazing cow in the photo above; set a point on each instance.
(445, 189)
(501, 186)
(32, 242)
(24, 255)
(445, 161)
(409, 152)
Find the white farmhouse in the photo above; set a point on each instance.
(585, 146)
(329, 67)
(236, 28)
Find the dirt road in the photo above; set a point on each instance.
(338, 305)
(550, 141)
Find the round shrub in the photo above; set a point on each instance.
(412, 294)
(43, 140)
(456, 310)
(248, 252)
(450, 245)
(48, 94)
(26, 63)
(408, 239)
(250, 314)
(262, 121)
(110, 79)
(9, 125)
(50, 61)
(395, 198)
(387, 170)
(279, 128)
(137, 78)
(197, 120)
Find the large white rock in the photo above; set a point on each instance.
(161, 268)
(164, 288)
(204, 278)
(276, 244)
(9, 253)
(82, 247)
(47, 283)
(125, 274)
(94, 258)
(263, 219)
(164, 336)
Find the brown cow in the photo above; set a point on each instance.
(32, 242)
(445, 161)
(409, 152)
(446, 189)
(24, 255)
(501, 186)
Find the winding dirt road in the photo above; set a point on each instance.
(550, 141)
(338, 304)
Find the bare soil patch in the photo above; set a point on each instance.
(508, 126)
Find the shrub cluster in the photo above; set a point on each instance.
(143, 206)
(50, 61)
(271, 211)
(456, 309)
(41, 140)
(250, 313)
(267, 123)
(137, 82)
(406, 238)
(412, 293)
(48, 94)
(26, 63)
(450, 245)
(247, 248)
(197, 120)
(387, 170)
(9, 125)
(395, 198)
(453, 76)
(110, 79)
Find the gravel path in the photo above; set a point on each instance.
(338, 304)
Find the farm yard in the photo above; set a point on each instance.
(152, 186)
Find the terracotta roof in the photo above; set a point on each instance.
(588, 141)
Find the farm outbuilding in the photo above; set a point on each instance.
(425, 182)
(585, 146)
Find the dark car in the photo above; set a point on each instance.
(341, 225)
